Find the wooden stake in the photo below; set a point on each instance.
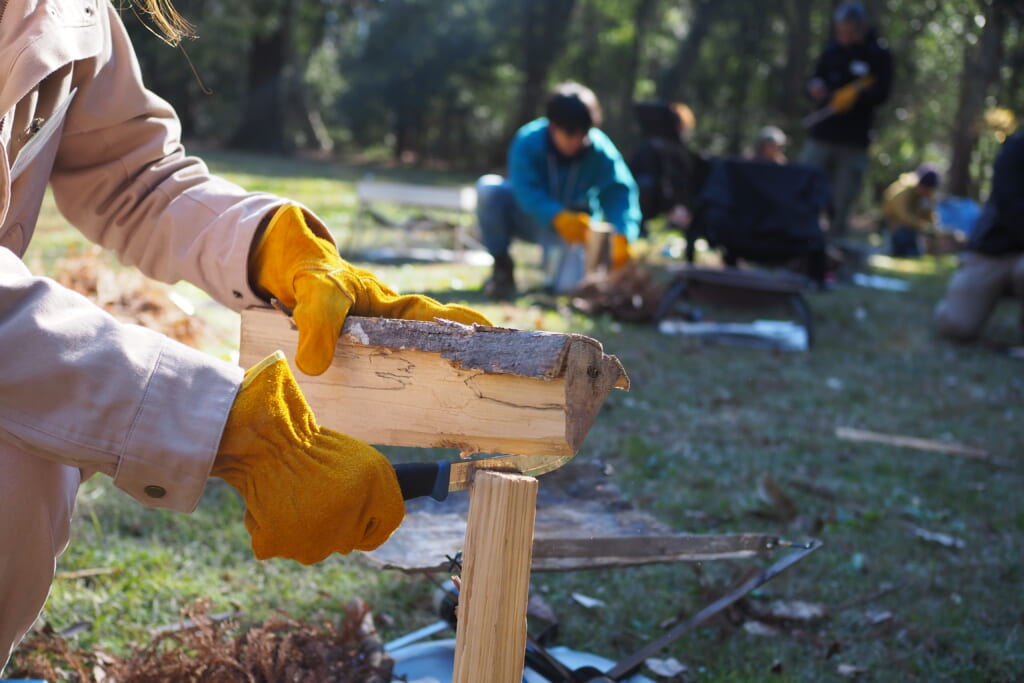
(490, 642)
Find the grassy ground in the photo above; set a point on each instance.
(701, 428)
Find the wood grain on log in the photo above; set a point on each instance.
(442, 384)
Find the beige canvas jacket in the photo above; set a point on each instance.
(76, 386)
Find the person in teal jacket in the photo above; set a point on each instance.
(563, 174)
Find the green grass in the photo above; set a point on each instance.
(689, 443)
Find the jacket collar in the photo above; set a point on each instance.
(38, 37)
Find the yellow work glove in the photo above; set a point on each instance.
(296, 263)
(621, 253)
(309, 491)
(845, 97)
(572, 226)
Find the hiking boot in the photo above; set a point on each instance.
(502, 284)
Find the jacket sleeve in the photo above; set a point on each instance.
(618, 194)
(881, 69)
(79, 388)
(122, 178)
(527, 173)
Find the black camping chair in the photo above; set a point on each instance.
(766, 213)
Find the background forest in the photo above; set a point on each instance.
(449, 82)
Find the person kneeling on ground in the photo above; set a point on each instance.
(993, 264)
(909, 210)
(563, 174)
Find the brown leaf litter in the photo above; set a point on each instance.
(130, 296)
(280, 649)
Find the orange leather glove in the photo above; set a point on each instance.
(621, 253)
(296, 263)
(572, 226)
(309, 491)
(845, 97)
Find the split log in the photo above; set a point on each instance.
(442, 384)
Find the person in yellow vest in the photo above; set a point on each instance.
(909, 210)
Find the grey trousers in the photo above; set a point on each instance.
(974, 290)
(845, 166)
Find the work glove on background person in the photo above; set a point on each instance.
(295, 262)
(621, 253)
(309, 491)
(845, 97)
(572, 226)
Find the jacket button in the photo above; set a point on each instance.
(155, 491)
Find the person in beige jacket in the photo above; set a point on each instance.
(81, 393)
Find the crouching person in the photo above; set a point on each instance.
(909, 211)
(563, 174)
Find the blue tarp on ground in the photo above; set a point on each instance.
(958, 214)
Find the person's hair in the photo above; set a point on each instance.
(161, 17)
(685, 115)
(573, 108)
(851, 12)
(928, 175)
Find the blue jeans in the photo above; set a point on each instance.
(845, 166)
(904, 242)
(501, 220)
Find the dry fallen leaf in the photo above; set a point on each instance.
(877, 617)
(587, 601)
(769, 491)
(666, 667)
(759, 628)
(940, 538)
(850, 670)
(798, 610)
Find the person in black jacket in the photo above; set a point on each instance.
(852, 78)
(993, 264)
(668, 173)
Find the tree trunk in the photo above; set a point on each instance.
(749, 42)
(262, 125)
(545, 23)
(797, 69)
(642, 14)
(673, 82)
(981, 69)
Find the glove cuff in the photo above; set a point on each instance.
(268, 397)
(293, 238)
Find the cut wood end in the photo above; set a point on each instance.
(590, 375)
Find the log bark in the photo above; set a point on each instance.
(442, 384)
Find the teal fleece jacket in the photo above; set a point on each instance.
(597, 181)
